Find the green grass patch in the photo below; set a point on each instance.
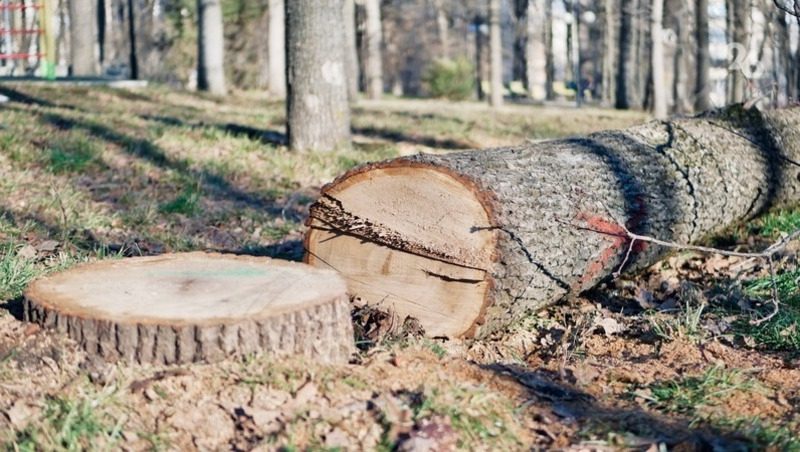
(72, 154)
(782, 332)
(70, 425)
(781, 221)
(690, 396)
(186, 203)
(762, 436)
(15, 272)
(685, 395)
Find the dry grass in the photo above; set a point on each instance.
(99, 173)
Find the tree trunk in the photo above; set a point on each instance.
(374, 66)
(318, 111)
(133, 54)
(548, 42)
(477, 23)
(627, 55)
(609, 51)
(468, 242)
(210, 47)
(495, 55)
(536, 50)
(519, 65)
(183, 308)
(351, 49)
(83, 37)
(657, 53)
(702, 93)
(442, 28)
(277, 49)
(740, 34)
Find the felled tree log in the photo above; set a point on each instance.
(470, 241)
(191, 307)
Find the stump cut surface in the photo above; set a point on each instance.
(196, 307)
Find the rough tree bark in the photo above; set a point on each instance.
(657, 57)
(192, 307)
(549, 57)
(83, 37)
(626, 75)
(351, 49)
(702, 92)
(495, 55)
(536, 50)
(468, 242)
(277, 49)
(318, 111)
(374, 38)
(210, 47)
(442, 28)
(610, 25)
(740, 24)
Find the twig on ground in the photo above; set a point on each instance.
(768, 254)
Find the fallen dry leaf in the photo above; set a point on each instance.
(610, 326)
(48, 246)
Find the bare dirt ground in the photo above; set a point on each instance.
(668, 358)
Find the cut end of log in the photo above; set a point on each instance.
(412, 239)
(190, 307)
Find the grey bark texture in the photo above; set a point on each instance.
(702, 99)
(611, 24)
(318, 111)
(374, 37)
(626, 75)
(442, 27)
(657, 57)
(210, 48)
(495, 54)
(276, 52)
(351, 49)
(741, 25)
(536, 50)
(83, 37)
(557, 208)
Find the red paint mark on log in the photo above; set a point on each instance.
(619, 240)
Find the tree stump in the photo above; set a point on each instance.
(468, 242)
(191, 307)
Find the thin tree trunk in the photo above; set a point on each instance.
(210, 48)
(625, 72)
(536, 49)
(442, 28)
(351, 49)
(318, 111)
(609, 51)
(495, 55)
(657, 53)
(741, 29)
(477, 23)
(83, 37)
(277, 49)
(133, 56)
(374, 67)
(542, 222)
(550, 59)
(702, 93)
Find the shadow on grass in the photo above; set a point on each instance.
(402, 137)
(264, 136)
(572, 406)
